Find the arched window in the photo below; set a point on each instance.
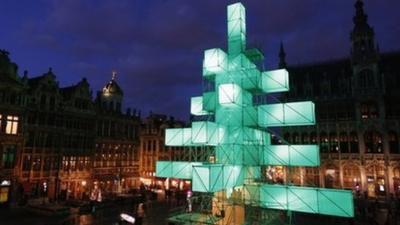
(312, 176)
(351, 177)
(354, 142)
(344, 145)
(376, 181)
(332, 176)
(393, 142)
(373, 142)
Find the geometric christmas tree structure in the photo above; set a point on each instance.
(239, 135)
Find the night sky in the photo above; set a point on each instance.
(156, 46)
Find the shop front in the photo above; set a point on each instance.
(332, 177)
(352, 178)
(376, 183)
(5, 191)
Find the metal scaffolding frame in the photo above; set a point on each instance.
(237, 132)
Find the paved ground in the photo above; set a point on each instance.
(158, 211)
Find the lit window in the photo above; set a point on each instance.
(12, 125)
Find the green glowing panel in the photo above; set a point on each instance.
(291, 155)
(274, 197)
(209, 101)
(250, 116)
(164, 169)
(236, 28)
(208, 178)
(251, 155)
(240, 66)
(215, 62)
(183, 170)
(178, 137)
(201, 179)
(229, 95)
(205, 133)
(238, 154)
(251, 173)
(251, 80)
(302, 199)
(275, 81)
(233, 176)
(178, 170)
(196, 106)
(252, 195)
(216, 177)
(229, 116)
(229, 154)
(286, 114)
(336, 202)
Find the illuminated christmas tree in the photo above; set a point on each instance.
(238, 131)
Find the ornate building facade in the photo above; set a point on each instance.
(358, 116)
(152, 147)
(12, 103)
(115, 163)
(59, 143)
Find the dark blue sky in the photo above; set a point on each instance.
(157, 46)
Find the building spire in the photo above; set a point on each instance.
(362, 37)
(114, 75)
(360, 18)
(282, 57)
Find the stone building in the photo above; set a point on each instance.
(115, 167)
(358, 116)
(58, 143)
(58, 138)
(152, 146)
(12, 102)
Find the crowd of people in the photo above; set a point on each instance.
(375, 211)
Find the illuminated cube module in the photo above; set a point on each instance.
(238, 130)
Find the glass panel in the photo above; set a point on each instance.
(229, 94)
(304, 199)
(196, 106)
(215, 61)
(291, 155)
(286, 114)
(275, 81)
(236, 28)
